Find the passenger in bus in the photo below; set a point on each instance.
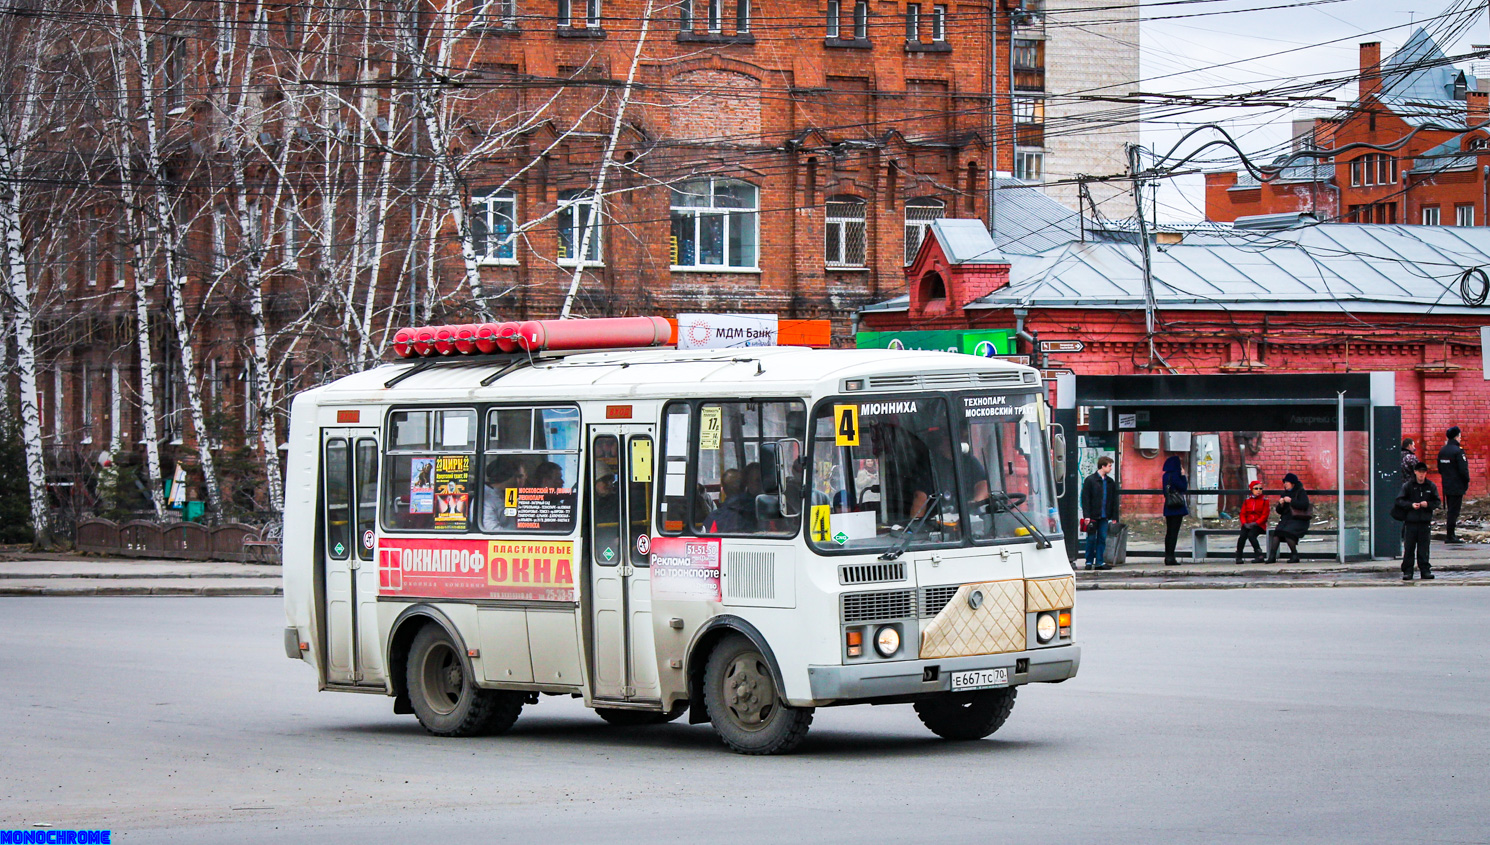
(736, 514)
(549, 474)
(1295, 512)
(502, 473)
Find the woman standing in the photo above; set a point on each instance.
(1175, 509)
(1294, 513)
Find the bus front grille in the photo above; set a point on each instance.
(883, 604)
(933, 599)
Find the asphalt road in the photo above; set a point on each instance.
(1307, 715)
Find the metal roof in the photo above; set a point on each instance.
(1336, 267)
(966, 241)
(1030, 222)
(1420, 71)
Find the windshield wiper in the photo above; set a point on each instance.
(916, 524)
(1008, 506)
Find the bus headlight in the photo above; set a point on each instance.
(1045, 627)
(887, 641)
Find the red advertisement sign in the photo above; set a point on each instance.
(535, 570)
(685, 569)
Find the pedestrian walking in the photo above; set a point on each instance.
(1175, 509)
(1294, 515)
(1099, 504)
(1453, 469)
(1409, 457)
(1415, 506)
(1254, 519)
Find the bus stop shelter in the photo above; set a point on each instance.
(1340, 433)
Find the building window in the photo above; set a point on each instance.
(497, 14)
(1026, 54)
(576, 210)
(913, 23)
(291, 235)
(219, 240)
(742, 17)
(494, 226)
(1355, 173)
(685, 15)
(715, 224)
(716, 22)
(90, 249)
(1029, 64)
(835, 13)
(1464, 215)
(85, 403)
(1029, 166)
(1430, 215)
(577, 13)
(1373, 169)
(918, 216)
(861, 20)
(938, 23)
(175, 71)
(1029, 121)
(57, 426)
(844, 232)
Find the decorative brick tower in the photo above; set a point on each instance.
(958, 263)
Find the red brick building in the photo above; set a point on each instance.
(1436, 177)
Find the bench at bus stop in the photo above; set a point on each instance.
(1200, 546)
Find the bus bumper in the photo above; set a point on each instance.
(910, 677)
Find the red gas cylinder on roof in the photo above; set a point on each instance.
(486, 337)
(424, 341)
(607, 333)
(465, 338)
(403, 343)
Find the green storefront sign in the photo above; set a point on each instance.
(984, 343)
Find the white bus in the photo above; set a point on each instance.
(741, 535)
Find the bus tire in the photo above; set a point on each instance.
(445, 697)
(967, 715)
(744, 705)
(634, 718)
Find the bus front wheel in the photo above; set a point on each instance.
(744, 705)
(967, 715)
(445, 697)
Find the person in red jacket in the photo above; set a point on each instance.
(1254, 519)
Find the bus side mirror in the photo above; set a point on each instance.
(770, 468)
(781, 474)
(1058, 458)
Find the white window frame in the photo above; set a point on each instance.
(116, 408)
(91, 253)
(570, 208)
(1431, 215)
(1023, 159)
(939, 23)
(219, 240)
(290, 240)
(716, 16)
(685, 15)
(592, 14)
(742, 17)
(843, 224)
(861, 20)
(486, 206)
(57, 426)
(174, 69)
(835, 19)
(1464, 215)
(85, 403)
(916, 229)
(725, 213)
(913, 23)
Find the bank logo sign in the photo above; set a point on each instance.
(726, 331)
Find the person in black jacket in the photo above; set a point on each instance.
(1419, 498)
(1099, 504)
(1293, 519)
(1409, 457)
(1453, 468)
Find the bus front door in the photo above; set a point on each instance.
(620, 534)
(349, 494)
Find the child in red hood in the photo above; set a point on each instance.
(1254, 521)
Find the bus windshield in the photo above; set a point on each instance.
(892, 465)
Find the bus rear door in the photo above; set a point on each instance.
(349, 492)
(620, 533)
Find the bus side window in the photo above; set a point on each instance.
(672, 506)
(429, 470)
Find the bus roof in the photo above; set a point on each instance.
(668, 373)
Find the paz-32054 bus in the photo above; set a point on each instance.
(742, 535)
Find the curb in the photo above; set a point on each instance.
(112, 590)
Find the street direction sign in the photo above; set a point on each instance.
(1061, 346)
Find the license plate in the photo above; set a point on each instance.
(980, 679)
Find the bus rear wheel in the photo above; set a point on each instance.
(634, 718)
(445, 697)
(967, 715)
(744, 705)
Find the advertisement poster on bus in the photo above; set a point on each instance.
(422, 485)
(452, 490)
(685, 569)
(527, 570)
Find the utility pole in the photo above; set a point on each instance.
(993, 113)
(1135, 167)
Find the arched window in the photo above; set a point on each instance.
(715, 224)
(576, 209)
(918, 216)
(493, 223)
(933, 287)
(843, 232)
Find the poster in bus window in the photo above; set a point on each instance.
(421, 485)
(452, 478)
(544, 508)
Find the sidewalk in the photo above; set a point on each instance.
(1467, 564)
(63, 574)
